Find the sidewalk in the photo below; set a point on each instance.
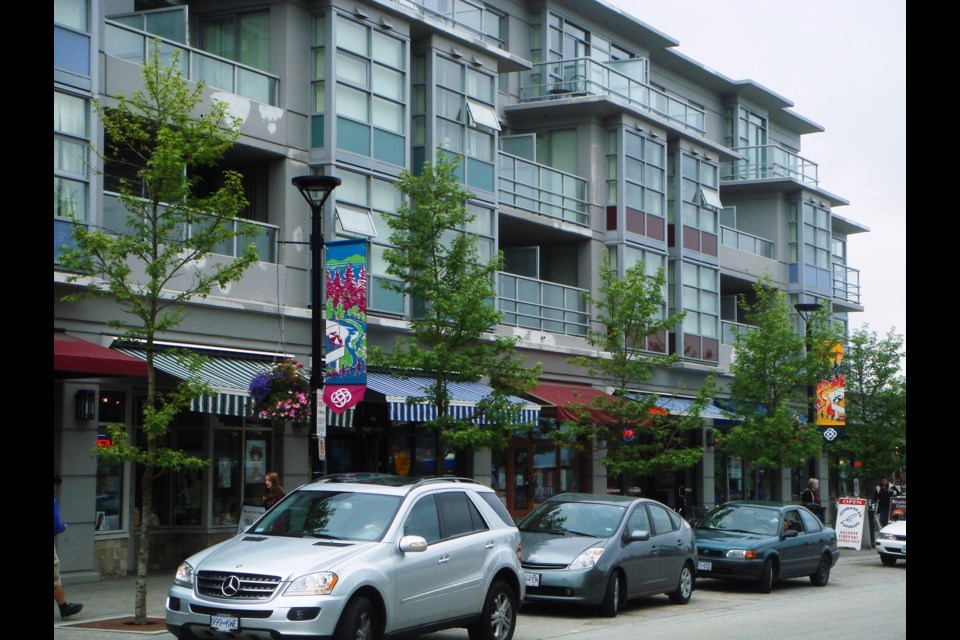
(112, 598)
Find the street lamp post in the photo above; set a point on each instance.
(316, 190)
(805, 309)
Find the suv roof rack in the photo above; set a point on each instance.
(434, 479)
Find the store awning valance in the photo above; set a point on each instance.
(75, 357)
(465, 396)
(561, 395)
(683, 407)
(229, 377)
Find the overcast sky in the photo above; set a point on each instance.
(843, 65)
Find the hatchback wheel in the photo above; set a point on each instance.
(765, 583)
(357, 622)
(611, 599)
(888, 560)
(499, 616)
(684, 587)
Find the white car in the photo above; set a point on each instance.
(892, 542)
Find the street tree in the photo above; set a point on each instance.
(436, 264)
(631, 431)
(772, 369)
(876, 405)
(156, 139)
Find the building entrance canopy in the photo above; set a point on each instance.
(75, 357)
(465, 396)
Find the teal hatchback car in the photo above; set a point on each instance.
(764, 542)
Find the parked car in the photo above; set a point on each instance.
(764, 542)
(359, 557)
(602, 550)
(891, 542)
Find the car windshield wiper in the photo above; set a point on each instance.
(323, 536)
(581, 533)
(556, 532)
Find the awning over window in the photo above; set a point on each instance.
(75, 357)
(681, 407)
(229, 376)
(465, 396)
(559, 395)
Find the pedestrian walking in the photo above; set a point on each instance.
(274, 490)
(67, 609)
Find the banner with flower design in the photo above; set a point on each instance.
(345, 378)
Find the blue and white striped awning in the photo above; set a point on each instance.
(682, 406)
(229, 377)
(465, 396)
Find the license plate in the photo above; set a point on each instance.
(533, 579)
(222, 622)
(704, 566)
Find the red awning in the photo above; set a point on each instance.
(560, 395)
(80, 358)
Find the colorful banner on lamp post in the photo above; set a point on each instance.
(345, 345)
(831, 405)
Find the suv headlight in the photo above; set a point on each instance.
(587, 559)
(184, 576)
(313, 584)
(746, 554)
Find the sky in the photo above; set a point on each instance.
(843, 65)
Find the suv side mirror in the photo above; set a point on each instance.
(413, 544)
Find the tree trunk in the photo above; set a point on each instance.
(143, 554)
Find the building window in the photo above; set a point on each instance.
(111, 409)
(71, 121)
(74, 14)
(244, 37)
(695, 180)
(653, 264)
(695, 290)
(810, 244)
(241, 459)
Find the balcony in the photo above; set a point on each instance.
(264, 237)
(729, 331)
(769, 161)
(846, 283)
(540, 189)
(473, 17)
(133, 45)
(542, 306)
(583, 76)
(746, 242)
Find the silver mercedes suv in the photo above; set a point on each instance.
(359, 557)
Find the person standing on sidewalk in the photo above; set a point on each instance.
(274, 491)
(810, 498)
(67, 609)
(881, 497)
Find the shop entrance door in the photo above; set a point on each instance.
(534, 475)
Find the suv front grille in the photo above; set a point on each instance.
(236, 586)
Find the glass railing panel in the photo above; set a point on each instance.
(769, 161)
(543, 306)
(541, 189)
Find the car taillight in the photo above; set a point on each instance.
(520, 552)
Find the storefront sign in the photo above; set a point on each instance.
(850, 515)
(248, 515)
(345, 378)
(898, 507)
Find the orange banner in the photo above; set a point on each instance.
(831, 403)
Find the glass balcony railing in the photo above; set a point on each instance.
(127, 43)
(470, 16)
(769, 161)
(263, 236)
(583, 76)
(729, 330)
(542, 306)
(746, 242)
(541, 189)
(846, 283)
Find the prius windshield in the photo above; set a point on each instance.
(332, 515)
(574, 518)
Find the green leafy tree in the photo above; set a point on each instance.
(158, 262)
(435, 263)
(876, 404)
(772, 369)
(641, 437)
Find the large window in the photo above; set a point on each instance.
(695, 290)
(653, 263)
(370, 89)
(244, 37)
(111, 409)
(637, 180)
(241, 459)
(695, 197)
(810, 244)
(70, 140)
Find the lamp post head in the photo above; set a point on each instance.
(316, 189)
(803, 308)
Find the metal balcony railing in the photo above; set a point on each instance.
(746, 242)
(769, 161)
(470, 16)
(543, 306)
(544, 190)
(583, 76)
(846, 283)
(263, 236)
(127, 43)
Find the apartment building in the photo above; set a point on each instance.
(584, 134)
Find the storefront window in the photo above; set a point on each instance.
(241, 459)
(188, 507)
(109, 511)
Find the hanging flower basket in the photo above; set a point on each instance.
(281, 394)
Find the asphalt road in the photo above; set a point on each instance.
(863, 601)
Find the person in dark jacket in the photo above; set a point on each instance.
(810, 498)
(66, 608)
(274, 491)
(881, 498)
